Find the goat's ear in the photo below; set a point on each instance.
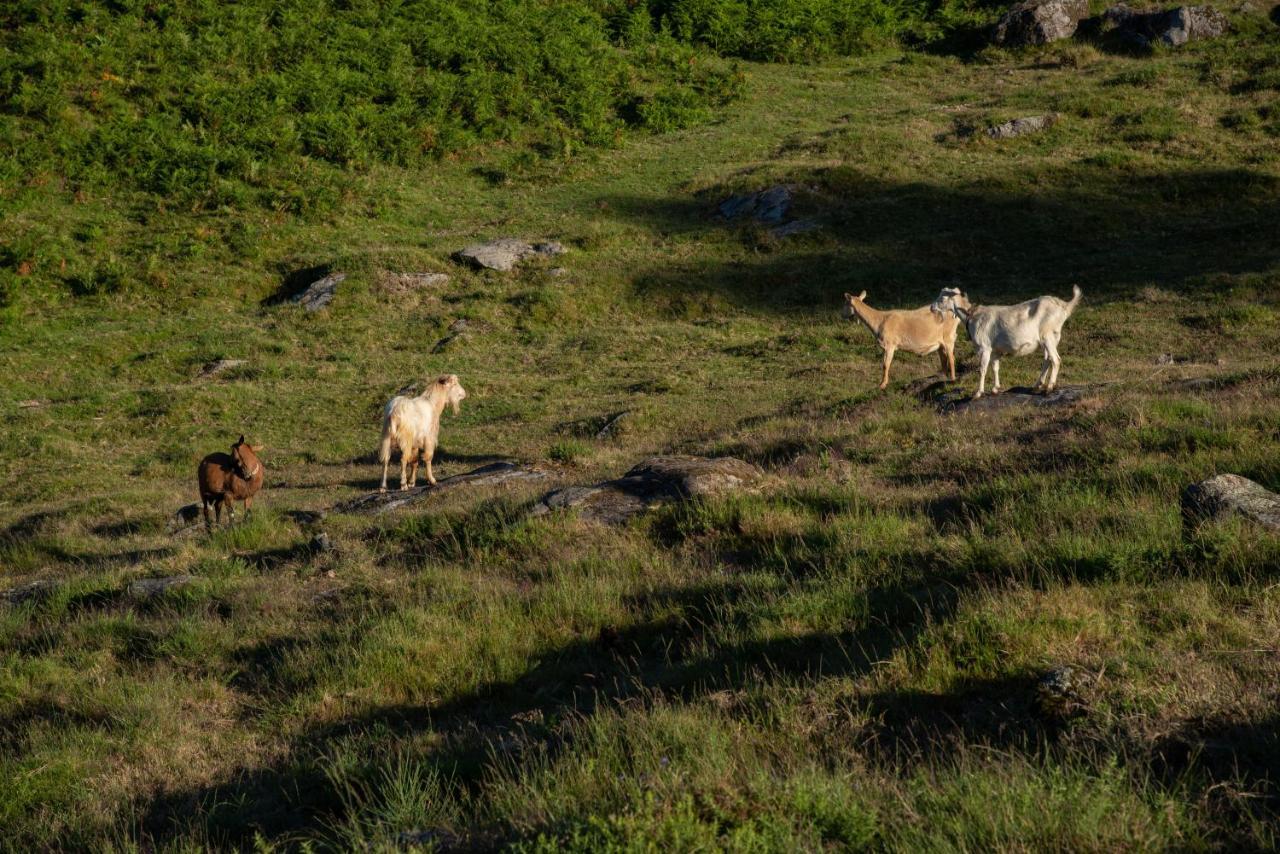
(848, 297)
(240, 441)
(862, 296)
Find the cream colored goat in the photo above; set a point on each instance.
(413, 424)
(918, 330)
(1012, 330)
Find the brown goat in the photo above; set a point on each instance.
(227, 478)
(919, 330)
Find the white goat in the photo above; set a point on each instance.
(1012, 330)
(917, 330)
(413, 423)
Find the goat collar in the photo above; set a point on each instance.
(250, 475)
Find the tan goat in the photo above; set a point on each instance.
(918, 330)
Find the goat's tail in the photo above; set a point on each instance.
(1076, 294)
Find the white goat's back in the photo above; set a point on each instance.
(409, 422)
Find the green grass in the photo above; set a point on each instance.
(845, 658)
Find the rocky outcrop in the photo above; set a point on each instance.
(655, 481)
(32, 591)
(319, 293)
(1171, 28)
(489, 475)
(1227, 495)
(1039, 22)
(767, 206)
(1021, 127)
(219, 366)
(505, 253)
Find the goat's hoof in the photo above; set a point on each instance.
(382, 489)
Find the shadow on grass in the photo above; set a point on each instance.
(1004, 239)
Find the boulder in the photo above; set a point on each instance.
(1231, 495)
(505, 253)
(1060, 693)
(319, 293)
(767, 206)
(489, 475)
(149, 588)
(656, 481)
(1172, 27)
(1036, 22)
(320, 544)
(1019, 127)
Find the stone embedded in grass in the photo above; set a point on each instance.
(218, 366)
(32, 404)
(767, 206)
(149, 588)
(320, 293)
(320, 544)
(1231, 495)
(656, 481)
(489, 475)
(797, 226)
(505, 253)
(1059, 693)
(32, 591)
(959, 402)
(1019, 127)
(1038, 22)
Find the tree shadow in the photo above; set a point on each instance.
(1111, 232)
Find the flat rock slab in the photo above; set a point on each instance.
(505, 253)
(1021, 127)
(319, 293)
(957, 402)
(490, 475)
(1231, 495)
(32, 591)
(149, 588)
(656, 481)
(402, 282)
(767, 206)
(1038, 22)
(219, 366)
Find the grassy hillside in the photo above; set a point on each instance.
(846, 658)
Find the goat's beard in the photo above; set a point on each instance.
(455, 406)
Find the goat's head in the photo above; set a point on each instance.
(453, 391)
(246, 457)
(950, 301)
(849, 300)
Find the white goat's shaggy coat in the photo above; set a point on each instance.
(920, 331)
(1012, 330)
(413, 424)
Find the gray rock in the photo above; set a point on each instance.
(613, 424)
(505, 253)
(320, 293)
(488, 475)
(1019, 127)
(149, 588)
(656, 481)
(956, 402)
(445, 343)
(1059, 693)
(1227, 495)
(32, 591)
(1172, 27)
(767, 206)
(557, 272)
(458, 325)
(218, 366)
(1036, 22)
(306, 518)
(320, 544)
(32, 404)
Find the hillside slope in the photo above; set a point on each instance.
(847, 657)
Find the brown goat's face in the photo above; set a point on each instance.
(247, 464)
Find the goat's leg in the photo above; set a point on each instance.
(208, 517)
(984, 358)
(427, 453)
(404, 470)
(888, 360)
(231, 511)
(1057, 363)
(995, 374)
(1044, 370)
(413, 471)
(217, 511)
(949, 361)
